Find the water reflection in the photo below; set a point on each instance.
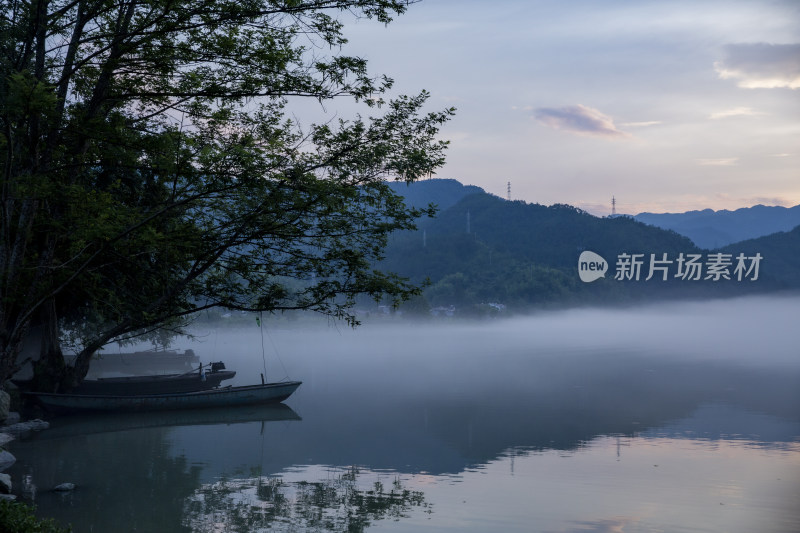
(343, 501)
(129, 474)
(417, 436)
(87, 424)
(126, 481)
(623, 484)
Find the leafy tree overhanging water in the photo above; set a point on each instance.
(151, 170)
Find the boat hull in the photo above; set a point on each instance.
(223, 397)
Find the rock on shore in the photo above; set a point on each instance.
(5, 404)
(23, 427)
(9, 432)
(6, 460)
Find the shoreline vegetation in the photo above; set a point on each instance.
(17, 517)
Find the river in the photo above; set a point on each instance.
(669, 417)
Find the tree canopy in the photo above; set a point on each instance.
(151, 167)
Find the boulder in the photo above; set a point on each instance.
(5, 438)
(5, 484)
(6, 460)
(13, 418)
(5, 405)
(64, 487)
(24, 427)
(9, 497)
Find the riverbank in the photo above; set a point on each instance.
(12, 427)
(18, 517)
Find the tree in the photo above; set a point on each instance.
(150, 170)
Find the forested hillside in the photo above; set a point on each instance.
(482, 249)
(781, 252)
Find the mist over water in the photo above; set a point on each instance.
(670, 416)
(550, 380)
(409, 358)
(757, 330)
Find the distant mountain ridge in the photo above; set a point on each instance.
(711, 229)
(441, 192)
(482, 250)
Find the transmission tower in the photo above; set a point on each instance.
(613, 206)
(509, 191)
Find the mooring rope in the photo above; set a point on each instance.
(278, 357)
(263, 352)
(274, 348)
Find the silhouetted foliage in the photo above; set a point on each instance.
(151, 170)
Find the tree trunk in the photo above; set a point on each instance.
(9, 353)
(81, 365)
(50, 373)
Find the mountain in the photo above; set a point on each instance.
(547, 235)
(441, 192)
(781, 256)
(481, 250)
(714, 229)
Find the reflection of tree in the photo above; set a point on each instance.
(116, 475)
(341, 503)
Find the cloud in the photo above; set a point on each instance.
(761, 65)
(580, 120)
(641, 124)
(735, 112)
(735, 202)
(771, 200)
(720, 162)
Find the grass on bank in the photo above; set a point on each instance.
(17, 517)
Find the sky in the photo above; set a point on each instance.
(667, 106)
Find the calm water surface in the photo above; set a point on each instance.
(671, 418)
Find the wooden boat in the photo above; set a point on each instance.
(145, 361)
(193, 381)
(222, 397)
(155, 384)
